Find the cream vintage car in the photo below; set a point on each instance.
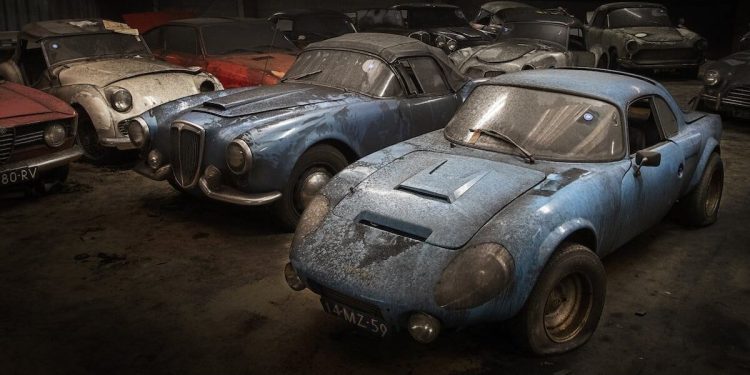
(105, 71)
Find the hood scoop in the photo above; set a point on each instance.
(443, 182)
(242, 98)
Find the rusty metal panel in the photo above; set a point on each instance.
(16, 13)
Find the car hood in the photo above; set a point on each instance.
(20, 105)
(459, 33)
(655, 34)
(440, 198)
(264, 99)
(280, 62)
(509, 50)
(105, 72)
(736, 64)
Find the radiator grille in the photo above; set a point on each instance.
(6, 144)
(186, 141)
(739, 96)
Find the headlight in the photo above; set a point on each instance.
(701, 44)
(475, 276)
(207, 86)
(711, 78)
(121, 100)
(452, 45)
(138, 132)
(239, 156)
(54, 135)
(446, 43)
(631, 46)
(154, 159)
(311, 219)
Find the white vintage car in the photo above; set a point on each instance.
(105, 71)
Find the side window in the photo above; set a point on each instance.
(154, 39)
(599, 20)
(643, 128)
(181, 39)
(667, 119)
(422, 76)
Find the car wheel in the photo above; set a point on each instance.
(88, 139)
(313, 171)
(564, 307)
(701, 206)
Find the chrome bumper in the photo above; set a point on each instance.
(160, 174)
(210, 184)
(47, 162)
(630, 64)
(121, 143)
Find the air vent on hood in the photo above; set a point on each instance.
(395, 226)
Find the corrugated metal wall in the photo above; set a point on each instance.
(16, 13)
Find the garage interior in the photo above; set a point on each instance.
(119, 274)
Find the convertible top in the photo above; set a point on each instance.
(534, 15)
(496, 6)
(615, 87)
(633, 4)
(391, 47)
(44, 29)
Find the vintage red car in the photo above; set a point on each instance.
(239, 52)
(37, 138)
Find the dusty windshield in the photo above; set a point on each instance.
(549, 125)
(93, 45)
(634, 17)
(222, 39)
(551, 32)
(346, 70)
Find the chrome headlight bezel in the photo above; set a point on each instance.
(711, 77)
(245, 156)
(475, 276)
(137, 127)
(120, 99)
(631, 45)
(55, 135)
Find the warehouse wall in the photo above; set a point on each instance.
(16, 13)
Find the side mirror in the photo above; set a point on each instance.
(646, 159)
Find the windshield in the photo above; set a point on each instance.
(419, 18)
(322, 25)
(549, 125)
(346, 70)
(224, 39)
(93, 45)
(551, 32)
(633, 17)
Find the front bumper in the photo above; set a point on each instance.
(632, 64)
(47, 162)
(121, 143)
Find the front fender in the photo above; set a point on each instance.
(92, 101)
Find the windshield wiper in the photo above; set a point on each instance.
(503, 137)
(304, 75)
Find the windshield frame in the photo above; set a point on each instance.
(621, 115)
(567, 32)
(42, 45)
(395, 72)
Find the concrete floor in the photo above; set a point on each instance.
(122, 275)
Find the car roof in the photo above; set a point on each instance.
(534, 15)
(616, 87)
(496, 6)
(204, 21)
(423, 5)
(614, 6)
(305, 11)
(43, 29)
(391, 47)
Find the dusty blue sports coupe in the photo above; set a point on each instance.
(343, 98)
(507, 212)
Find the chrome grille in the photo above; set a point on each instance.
(6, 144)
(739, 96)
(186, 141)
(122, 127)
(32, 137)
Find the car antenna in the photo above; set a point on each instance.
(273, 41)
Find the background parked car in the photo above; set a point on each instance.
(641, 36)
(305, 26)
(528, 40)
(726, 85)
(239, 52)
(37, 138)
(507, 211)
(104, 71)
(492, 15)
(440, 25)
(342, 99)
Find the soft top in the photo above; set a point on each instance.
(391, 47)
(44, 29)
(534, 15)
(496, 6)
(301, 12)
(614, 6)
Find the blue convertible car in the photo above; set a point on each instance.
(342, 99)
(507, 212)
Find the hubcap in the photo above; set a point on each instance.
(310, 186)
(567, 308)
(714, 193)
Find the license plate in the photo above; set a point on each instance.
(18, 176)
(364, 321)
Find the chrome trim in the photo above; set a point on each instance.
(175, 154)
(50, 161)
(160, 174)
(228, 194)
(144, 126)
(248, 156)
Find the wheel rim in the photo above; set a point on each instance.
(567, 308)
(713, 196)
(89, 142)
(309, 186)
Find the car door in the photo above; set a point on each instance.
(181, 46)
(648, 193)
(429, 102)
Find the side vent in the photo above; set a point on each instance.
(425, 193)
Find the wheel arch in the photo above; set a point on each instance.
(712, 146)
(344, 148)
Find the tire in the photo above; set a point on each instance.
(701, 206)
(88, 139)
(550, 323)
(316, 166)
